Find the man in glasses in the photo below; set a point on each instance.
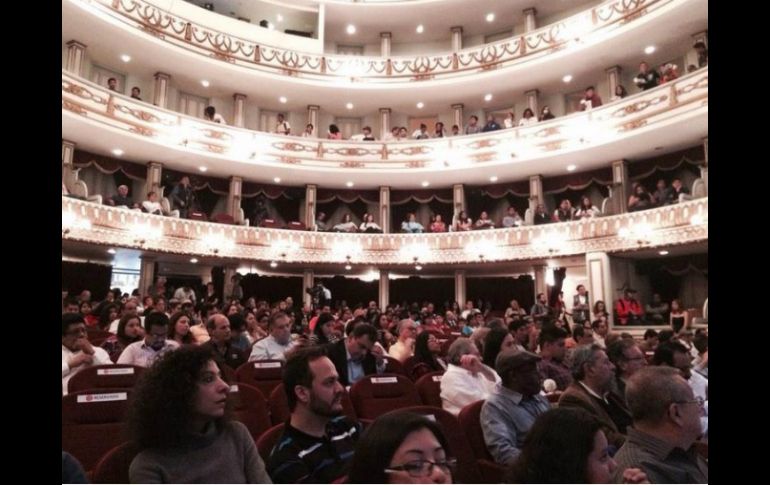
(77, 353)
(144, 352)
(627, 358)
(667, 423)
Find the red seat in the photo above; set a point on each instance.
(375, 395)
(409, 364)
(279, 405)
(97, 336)
(197, 216)
(117, 376)
(394, 366)
(296, 226)
(467, 471)
(429, 388)
(268, 440)
(93, 423)
(271, 223)
(223, 218)
(470, 421)
(262, 374)
(250, 408)
(113, 467)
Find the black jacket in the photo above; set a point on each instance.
(338, 354)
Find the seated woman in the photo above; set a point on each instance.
(587, 209)
(565, 212)
(426, 359)
(439, 131)
(600, 309)
(152, 205)
(179, 420)
(437, 224)
(514, 312)
(567, 445)
(334, 133)
(179, 329)
(528, 118)
(640, 199)
(402, 447)
(411, 225)
(463, 222)
(484, 222)
(323, 332)
(347, 225)
(497, 340)
(545, 114)
(129, 331)
(369, 225)
(210, 114)
(510, 120)
(620, 93)
(256, 326)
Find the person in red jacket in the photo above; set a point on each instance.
(628, 308)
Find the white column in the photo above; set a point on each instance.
(530, 19)
(385, 209)
(540, 285)
(532, 100)
(154, 173)
(385, 39)
(312, 117)
(310, 205)
(384, 289)
(160, 96)
(622, 184)
(146, 273)
(704, 170)
(458, 115)
(599, 282)
(613, 79)
(535, 191)
(234, 199)
(67, 171)
(76, 53)
(460, 288)
(227, 288)
(321, 22)
(384, 122)
(457, 38)
(307, 282)
(458, 199)
(239, 110)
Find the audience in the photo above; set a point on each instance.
(77, 353)
(275, 346)
(155, 343)
(467, 379)
(426, 356)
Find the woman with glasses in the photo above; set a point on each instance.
(426, 350)
(402, 447)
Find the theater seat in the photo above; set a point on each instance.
(268, 440)
(271, 224)
(105, 377)
(113, 466)
(429, 388)
(223, 219)
(470, 421)
(262, 374)
(250, 408)
(394, 366)
(296, 226)
(375, 395)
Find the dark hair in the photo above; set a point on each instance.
(492, 344)
(515, 325)
(104, 315)
(375, 450)
(474, 117)
(121, 333)
(155, 319)
(556, 448)
(422, 353)
(297, 370)
(701, 342)
(591, 88)
(237, 322)
(616, 351)
(665, 335)
(274, 317)
(333, 129)
(649, 333)
(664, 353)
(578, 331)
(210, 111)
(187, 339)
(112, 79)
(550, 334)
(68, 319)
(323, 319)
(362, 330)
(163, 403)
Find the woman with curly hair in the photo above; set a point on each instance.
(129, 331)
(179, 329)
(178, 420)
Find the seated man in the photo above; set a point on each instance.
(509, 413)
(318, 440)
(650, 341)
(628, 309)
(512, 218)
(404, 347)
(484, 222)
(657, 311)
(77, 353)
(122, 198)
(354, 356)
(467, 379)
(411, 224)
(541, 216)
(552, 350)
(674, 354)
(666, 416)
(144, 352)
(320, 222)
(678, 189)
(152, 205)
(274, 346)
(627, 358)
(221, 343)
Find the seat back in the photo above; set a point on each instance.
(250, 408)
(394, 366)
(223, 218)
(271, 223)
(375, 395)
(97, 336)
(279, 405)
(262, 374)
(470, 420)
(429, 388)
(117, 376)
(296, 226)
(113, 466)
(268, 440)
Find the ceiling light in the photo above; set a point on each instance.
(349, 106)
(349, 184)
(273, 264)
(663, 253)
(493, 178)
(418, 267)
(649, 49)
(112, 251)
(202, 168)
(567, 78)
(125, 58)
(348, 267)
(277, 180)
(193, 260)
(205, 83)
(282, 99)
(351, 29)
(488, 97)
(117, 152)
(420, 29)
(279, 17)
(420, 105)
(571, 168)
(490, 17)
(425, 183)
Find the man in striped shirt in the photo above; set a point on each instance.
(318, 440)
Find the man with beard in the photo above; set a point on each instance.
(318, 440)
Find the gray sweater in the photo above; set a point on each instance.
(228, 455)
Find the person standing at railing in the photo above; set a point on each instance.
(647, 78)
(210, 114)
(439, 131)
(182, 197)
(528, 118)
(545, 114)
(282, 127)
(510, 120)
(421, 133)
(492, 124)
(590, 99)
(334, 133)
(620, 93)
(473, 126)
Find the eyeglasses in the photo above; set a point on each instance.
(699, 400)
(77, 331)
(422, 468)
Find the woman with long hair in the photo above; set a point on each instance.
(323, 332)
(109, 314)
(179, 329)
(679, 318)
(129, 331)
(496, 341)
(426, 350)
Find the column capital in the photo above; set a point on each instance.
(162, 75)
(529, 11)
(71, 144)
(239, 96)
(457, 29)
(75, 43)
(236, 178)
(611, 69)
(154, 164)
(458, 106)
(532, 92)
(386, 35)
(312, 107)
(385, 110)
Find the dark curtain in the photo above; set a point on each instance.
(218, 278)
(558, 280)
(76, 277)
(287, 204)
(414, 289)
(351, 290)
(480, 199)
(693, 156)
(595, 191)
(356, 208)
(499, 291)
(208, 190)
(135, 171)
(121, 178)
(666, 275)
(272, 288)
(684, 171)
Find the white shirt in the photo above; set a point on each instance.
(459, 387)
(528, 121)
(366, 225)
(152, 207)
(269, 349)
(282, 128)
(509, 123)
(699, 384)
(219, 119)
(141, 354)
(100, 357)
(182, 295)
(402, 351)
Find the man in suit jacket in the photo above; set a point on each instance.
(353, 356)
(593, 373)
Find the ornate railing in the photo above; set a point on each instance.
(194, 36)
(682, 223)
(680, 98)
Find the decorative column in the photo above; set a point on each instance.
(540, 284)
(307, 282)
(384, 122)
(227, 287)
(310, 205)
(458, 115)
(239, 110)
(76, 54)
(234, 199)
(613, 78)
(385, 38)
(312, 117)
(321, 22)
(160, 96)
(385, 209)
(460, 288)
(621, 185)
(599, 282)
(146, 273)
(458, 199)
(530, 20)
(532, 98)
(457, 39)
(535, 192)
(152, 184)
(384, 289)
(67, 170)
(704, 170)
(692, 56)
